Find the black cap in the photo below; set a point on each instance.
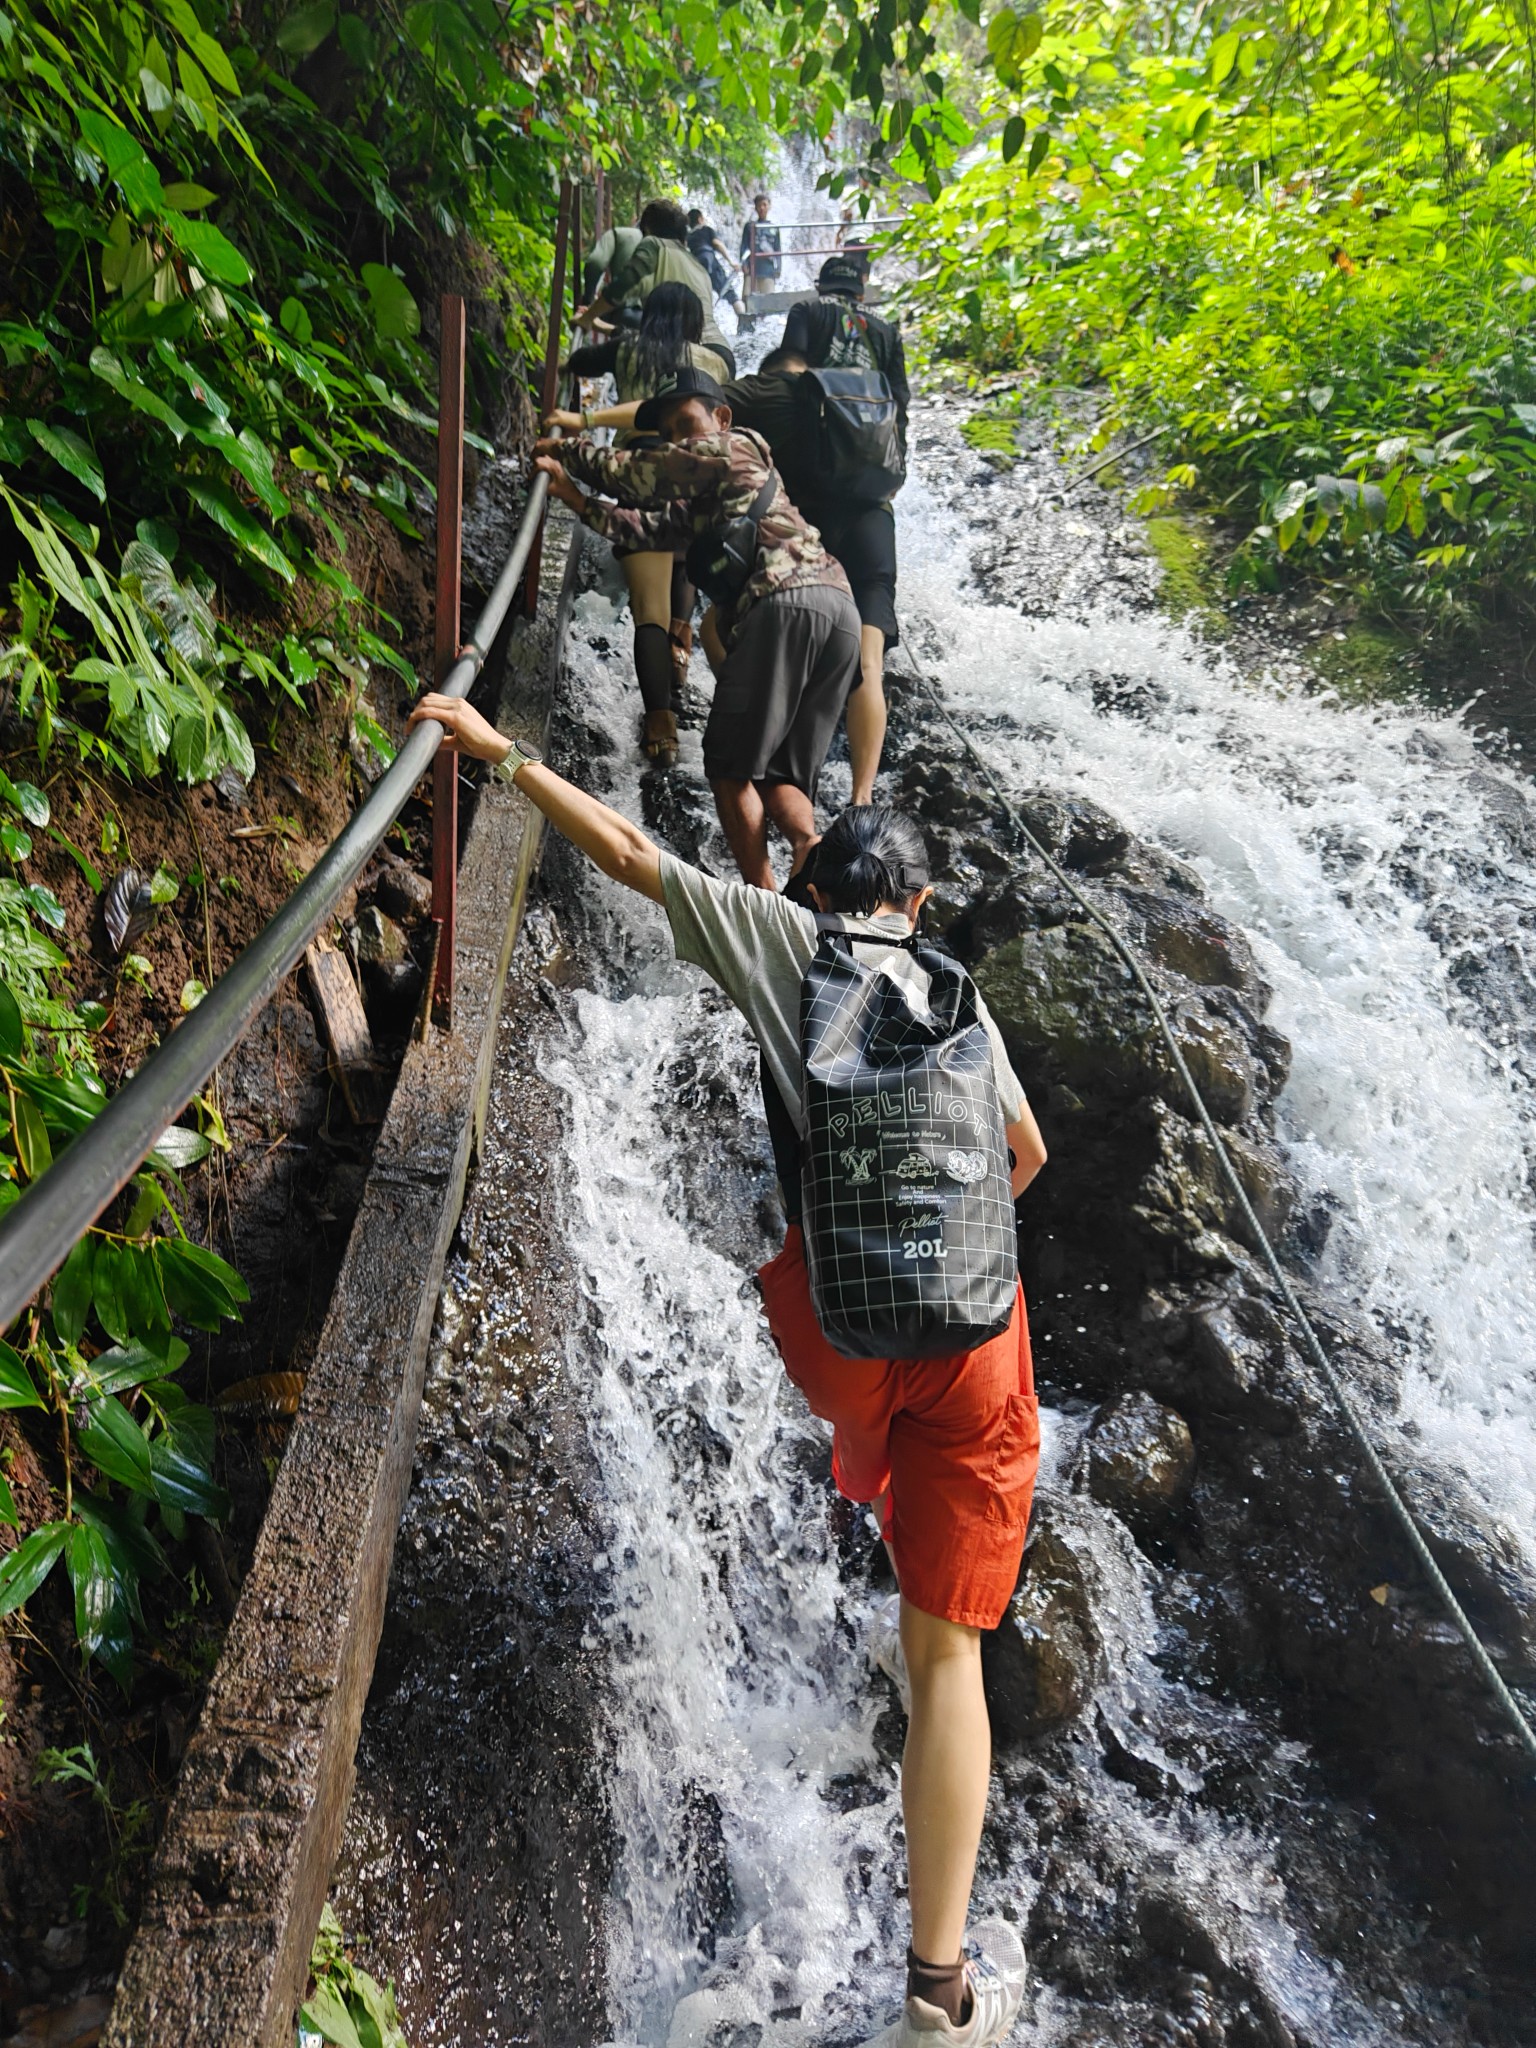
(842, 275)
(686, 383)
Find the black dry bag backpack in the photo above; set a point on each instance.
(721, 560)
(907, 1210)
(857, 445)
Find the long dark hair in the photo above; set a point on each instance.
(670, 319)
(664, 217)
(870, 855)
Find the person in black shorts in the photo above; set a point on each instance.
(862, 537)
(784, 648)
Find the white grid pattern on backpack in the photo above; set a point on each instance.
(848, 1213)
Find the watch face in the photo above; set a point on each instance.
(527, 753)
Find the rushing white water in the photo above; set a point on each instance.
(1368, 854)
(747, 1792)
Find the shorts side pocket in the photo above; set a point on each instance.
(1011, 1481)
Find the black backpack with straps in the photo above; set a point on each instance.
(856, 436)
(902, 1177)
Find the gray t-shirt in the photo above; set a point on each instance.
(757, 946)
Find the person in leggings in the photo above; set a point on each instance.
(661, 599)
(945, 1449)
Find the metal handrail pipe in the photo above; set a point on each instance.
(56, 1210)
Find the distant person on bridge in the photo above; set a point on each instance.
(783, 639)
(760, 248)
(661, 599)
(705, 245)
(612, 248)
(659, 257)
(945, 1447)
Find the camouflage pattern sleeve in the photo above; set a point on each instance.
(659, 527)
(648, 474)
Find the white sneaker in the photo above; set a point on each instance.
(996, 1971)
(885, 1651)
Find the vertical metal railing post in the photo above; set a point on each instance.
(601, 223)
(578, 247)
(550, 386)
(445, 648)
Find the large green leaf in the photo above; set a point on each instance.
(72, 1290)
(29, 1564)
(325, 2014)
(106, 366)
(306, 28)
(17, 1389)
(8, 1515)
(115, 1444)
(118, 1370)
(137, 179)
(71, 453)
(225, 510)
(102, 1625)
(213, 253)
(396, 315)
(12, 1036)
(107, 1290)
(199, 1285)
(181, 1477)
(28, 799)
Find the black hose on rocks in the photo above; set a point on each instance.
(1513, 1711)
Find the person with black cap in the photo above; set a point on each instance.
(782, 634)
(834, 332)
(944, 1447)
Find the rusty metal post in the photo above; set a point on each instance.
(445, 648)
(578, 249)
(550, 386)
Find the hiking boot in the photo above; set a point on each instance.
(996, 1971)
(658, 738)
(885, 1651)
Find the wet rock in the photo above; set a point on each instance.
(1140, 1461)
(1045, 1658)
(70, 2026)
(1063, 999)
(1239, 1363)
(380, 941)
(64, 1948)
(1077, 833)
(402, 893)
(1192, 941)
(1185, 1191)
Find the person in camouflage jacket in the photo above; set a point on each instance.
(785, 650)
(661, 494)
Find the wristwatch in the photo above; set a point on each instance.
(517, 756)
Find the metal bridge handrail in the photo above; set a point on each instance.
(57, 1209)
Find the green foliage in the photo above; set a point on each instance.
(1304, 239)
(346, 2005)
(95, 1372)
(127, 1824)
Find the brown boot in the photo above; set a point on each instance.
(658, 738)
(681, 636)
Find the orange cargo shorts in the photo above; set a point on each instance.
(953, 1442)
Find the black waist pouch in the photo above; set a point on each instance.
(721, 560)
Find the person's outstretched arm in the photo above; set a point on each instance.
(607, 838)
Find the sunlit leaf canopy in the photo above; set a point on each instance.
(1302, 238)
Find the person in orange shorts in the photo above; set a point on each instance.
(945, 1447)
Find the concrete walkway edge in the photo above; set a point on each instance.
(221, 1955)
